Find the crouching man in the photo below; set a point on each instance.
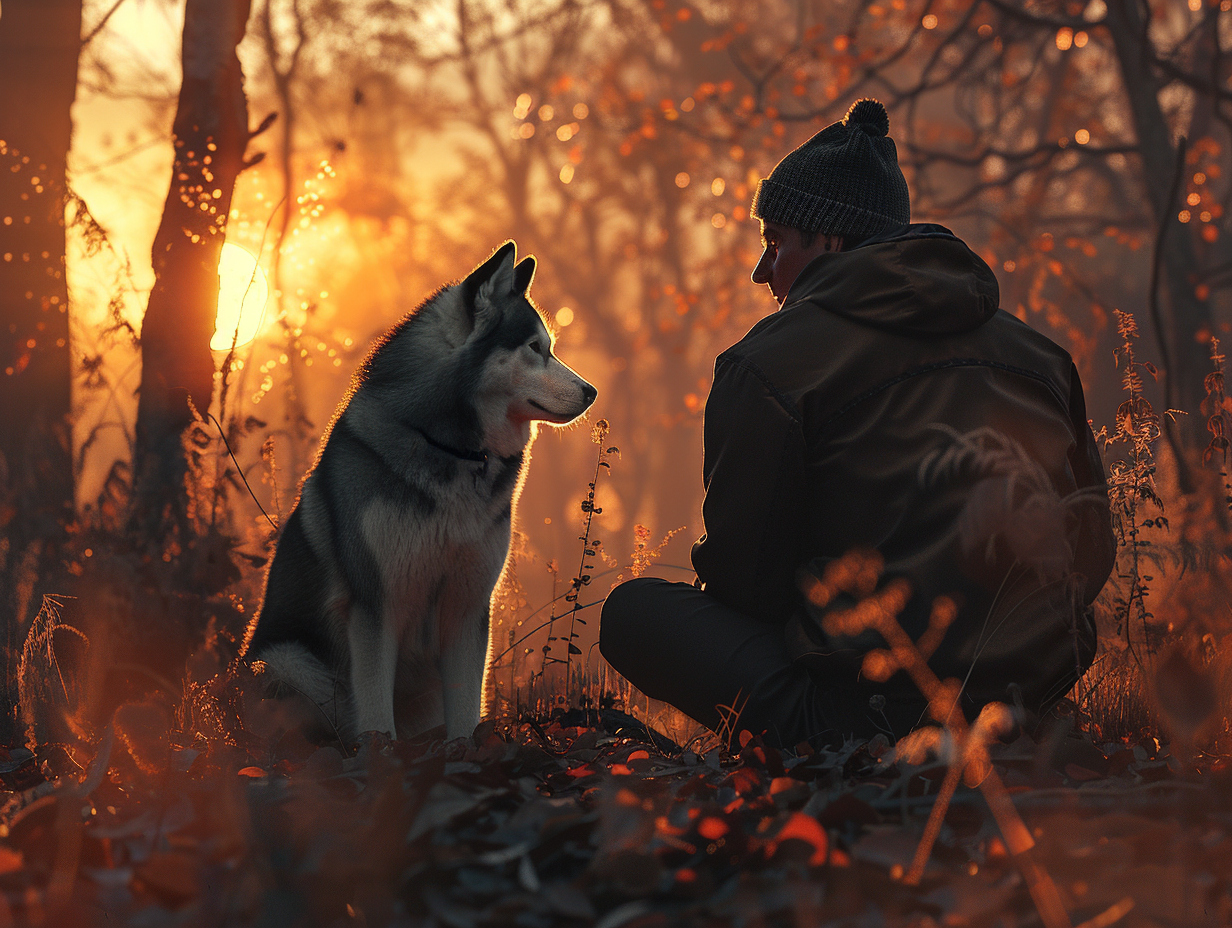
(888, 405)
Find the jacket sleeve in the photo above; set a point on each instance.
(753, 474)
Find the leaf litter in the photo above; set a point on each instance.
(587, 820)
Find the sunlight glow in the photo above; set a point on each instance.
(242, 293)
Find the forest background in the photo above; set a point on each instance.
(1079, 147)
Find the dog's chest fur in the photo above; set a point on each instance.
(442, 559)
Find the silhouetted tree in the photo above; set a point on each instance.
(39, 45)
(210, 136)
(283, 68)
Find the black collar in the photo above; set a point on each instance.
(479, 457)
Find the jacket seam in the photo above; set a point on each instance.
(779, 396)
(951, 364)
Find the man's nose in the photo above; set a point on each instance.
(761, 273)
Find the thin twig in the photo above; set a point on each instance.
(599, 436)
(102, 23)
(223, 436)
(1184, 476)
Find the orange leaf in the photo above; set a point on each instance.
(620, 770)
(712, 828)
(253, 772)
(804, 828)
(172, 875)
(743, 780)
(638, 755)
(664, 827)
(778, 784)
(10, 860)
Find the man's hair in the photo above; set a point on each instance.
(848, 242)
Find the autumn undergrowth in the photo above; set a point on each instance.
(1163, 645)
(199, 802)
(549, 664)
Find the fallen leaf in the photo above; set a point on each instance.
(801, 827)
(10, 860)
(171, 875)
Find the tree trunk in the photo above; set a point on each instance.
(210, 135)
(39, 45)
(1181, 313)
(296, 424)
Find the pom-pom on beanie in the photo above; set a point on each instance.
(845, 180)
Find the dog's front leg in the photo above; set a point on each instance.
(374, 665)
(463, 656)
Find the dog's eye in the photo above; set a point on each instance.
(536, 346)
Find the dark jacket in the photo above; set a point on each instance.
(815, 430)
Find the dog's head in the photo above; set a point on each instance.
(520, 379)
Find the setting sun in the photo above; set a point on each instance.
(242, 292)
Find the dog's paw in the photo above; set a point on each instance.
(372, 742)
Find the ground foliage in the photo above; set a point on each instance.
(200, 804)
(587, 819)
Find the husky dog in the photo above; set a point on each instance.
(376, 601)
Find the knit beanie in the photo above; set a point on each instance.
(845, 180)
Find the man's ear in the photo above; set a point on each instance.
(523, 274)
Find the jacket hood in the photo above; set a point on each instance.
(916, 280)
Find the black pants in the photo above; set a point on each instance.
(677, 644)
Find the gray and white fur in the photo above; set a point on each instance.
(377, 598)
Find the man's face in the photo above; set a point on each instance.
(784, 257)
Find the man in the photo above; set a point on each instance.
(888, 405)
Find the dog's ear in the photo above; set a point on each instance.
(499, 265)
(523, 274)
(484, 286)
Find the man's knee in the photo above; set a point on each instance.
(623, 621)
